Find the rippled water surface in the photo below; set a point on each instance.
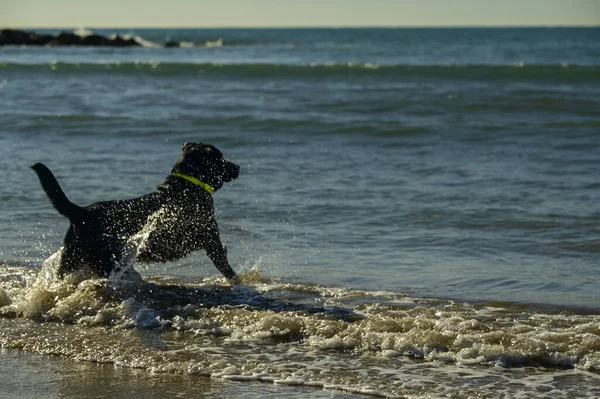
(416, 214)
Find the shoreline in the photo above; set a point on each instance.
(27, 375)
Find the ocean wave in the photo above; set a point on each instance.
(292, 333)
(261, 70)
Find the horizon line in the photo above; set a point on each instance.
(304, 26)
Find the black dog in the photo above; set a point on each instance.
(180, 211)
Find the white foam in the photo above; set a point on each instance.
(399, 347)
(146, 43)
(143, 42)
(215, 43)
(82, 31)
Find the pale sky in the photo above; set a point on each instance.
(295, 13)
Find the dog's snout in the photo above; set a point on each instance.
(232, 171)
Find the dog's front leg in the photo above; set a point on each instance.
(217, 252)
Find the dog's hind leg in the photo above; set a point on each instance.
(71, 260)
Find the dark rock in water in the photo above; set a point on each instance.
(19, 38)
(68, 39)
(40, 40)
(172, 44)
(120, 42)
(95, 40)
(11, 36)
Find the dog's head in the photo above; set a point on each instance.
(206, 163)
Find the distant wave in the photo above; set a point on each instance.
(318, 70)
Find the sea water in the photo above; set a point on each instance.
(416, 213)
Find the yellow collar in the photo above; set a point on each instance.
(208, 188)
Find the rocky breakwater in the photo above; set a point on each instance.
(23, 38)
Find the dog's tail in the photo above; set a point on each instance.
(55, 193)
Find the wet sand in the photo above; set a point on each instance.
(25, 375)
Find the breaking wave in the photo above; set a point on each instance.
(368, 342)
(316, 70)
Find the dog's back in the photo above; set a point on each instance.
(182, 208)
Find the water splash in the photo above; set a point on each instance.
(47, 297)
(124, 270)
(83, 31)
(215, 43)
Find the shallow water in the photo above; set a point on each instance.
(416, 214)
(50, 377)
(360, 342)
